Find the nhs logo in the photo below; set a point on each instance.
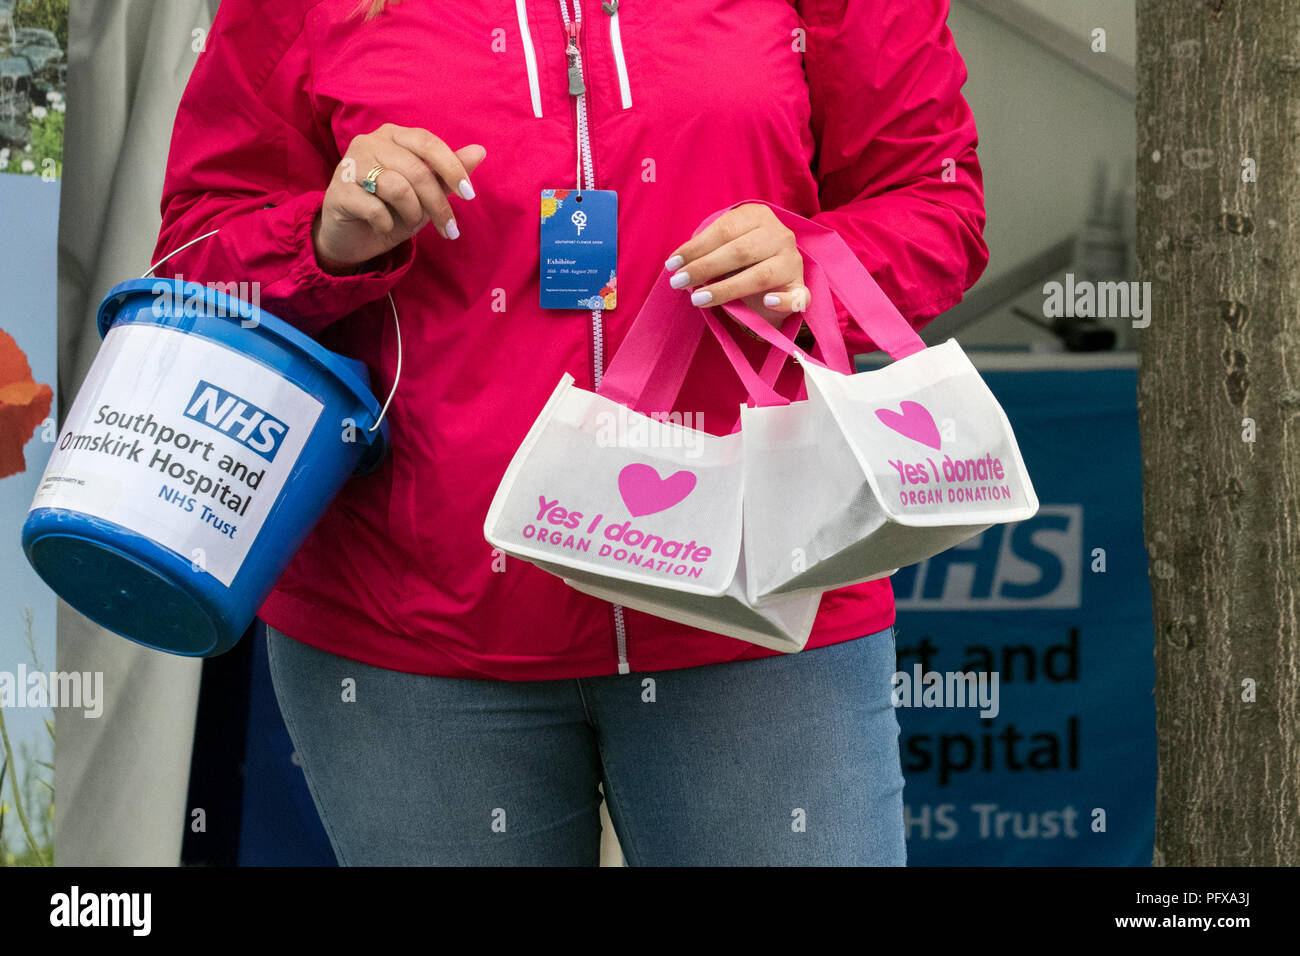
(1035, 563)
(240, 419)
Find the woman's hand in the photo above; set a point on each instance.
(748, 254)
(420, 172)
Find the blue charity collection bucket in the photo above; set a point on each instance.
(207, 440)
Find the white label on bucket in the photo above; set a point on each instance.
(181, 440)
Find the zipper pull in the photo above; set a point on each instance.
(576, 87)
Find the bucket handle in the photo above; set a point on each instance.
(397, 325)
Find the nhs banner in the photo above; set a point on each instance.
(1025, 655)
(1030, 564)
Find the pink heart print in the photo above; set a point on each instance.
(644, 492)
(915, 422)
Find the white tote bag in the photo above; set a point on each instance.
(637, 510)
(875, 470)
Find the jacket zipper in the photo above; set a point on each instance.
(578, 91)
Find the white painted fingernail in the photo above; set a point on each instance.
(703, 297)
(466, 189)
(673, 263)
(771, 299)
(452, 231)
(679, 280)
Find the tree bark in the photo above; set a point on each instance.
(1218, 105)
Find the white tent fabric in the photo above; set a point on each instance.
(121, 779)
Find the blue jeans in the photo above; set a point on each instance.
(787, 760)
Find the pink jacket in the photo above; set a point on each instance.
(848, 112)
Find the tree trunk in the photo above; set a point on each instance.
(1219, 408)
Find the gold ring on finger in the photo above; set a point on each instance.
(371, 182)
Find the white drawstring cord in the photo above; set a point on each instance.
(397, 324)
(397, 375)
(174, 251)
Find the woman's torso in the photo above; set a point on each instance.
(691, 108)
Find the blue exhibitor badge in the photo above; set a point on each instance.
(579, 248)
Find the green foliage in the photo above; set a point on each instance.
(41, 149)
(46, 143)
(51, 15)
(31, 789)
(27, 840)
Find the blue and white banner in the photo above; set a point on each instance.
(1025, 656)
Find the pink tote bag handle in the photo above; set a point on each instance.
(650, 365)
(825, 255)
(820, 317)
(866, 303)
(647, 371)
